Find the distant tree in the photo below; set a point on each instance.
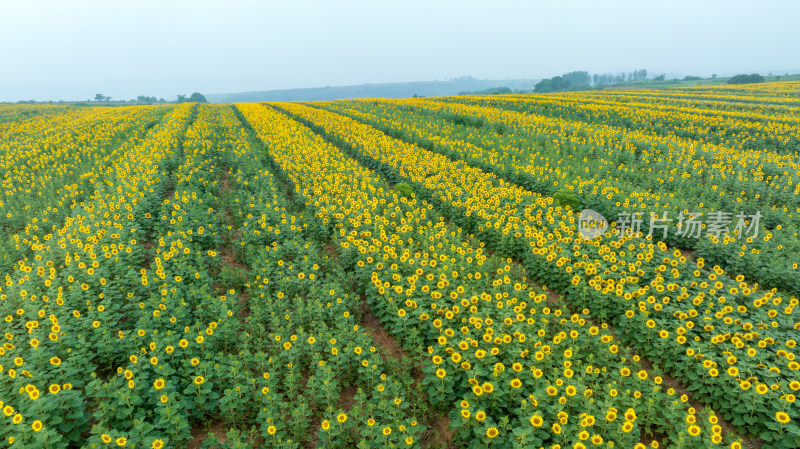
(197, 97)
(691, 78)
(162, 100)
(146, 99)
(714, 75)
(545, 85)
(604, 79)
(581, 80)
(746, 79)
(100, 97)
(577, 78)
(181, 98)
(490, 91)
(659, 77)
(558, 83)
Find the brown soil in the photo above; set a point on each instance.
(227, 256)
(688, 254)
(385, 341)
(314, 440)
(438, 435)
(347, 398)
(331, 250)
(199, 434)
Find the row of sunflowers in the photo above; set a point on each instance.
(65, 305)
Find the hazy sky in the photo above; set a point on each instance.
(73, 49)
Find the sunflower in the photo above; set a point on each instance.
(537, 421)
(782, 417)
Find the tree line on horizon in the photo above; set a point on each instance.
(196, 97)
(581, 80)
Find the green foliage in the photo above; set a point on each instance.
(746, 79)
(491, 91)
(578, 80)
(197, 97)
(554, 84)
(404, 189)
(566, 198)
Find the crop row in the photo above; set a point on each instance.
(63, 305)
(757, 130)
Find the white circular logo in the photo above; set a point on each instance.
(591, 224)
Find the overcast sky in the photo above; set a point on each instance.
(73, 49)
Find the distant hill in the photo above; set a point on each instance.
(382, 90)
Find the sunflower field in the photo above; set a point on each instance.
(404, 273)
